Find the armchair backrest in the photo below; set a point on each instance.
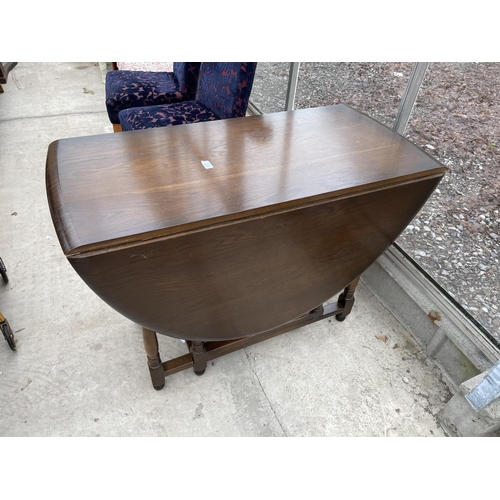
(224, 87)
(187, 74)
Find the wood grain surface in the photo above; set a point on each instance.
(296, 206)
(116, 188)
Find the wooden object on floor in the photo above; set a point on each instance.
(5, 69)
(213, 232)
(211, 350)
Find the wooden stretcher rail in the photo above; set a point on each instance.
(221, 348)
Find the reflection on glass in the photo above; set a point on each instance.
(456, 236)
(270, 85)
(375, 89)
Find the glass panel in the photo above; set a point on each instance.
(375, 89)
(456, 236)
(270, 85)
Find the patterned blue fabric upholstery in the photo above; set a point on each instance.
(130, 89)
(223, 92)
(164, 115)
(187, 75)
(225, 87)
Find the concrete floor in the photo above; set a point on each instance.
(80, 368)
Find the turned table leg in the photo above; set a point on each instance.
(154, 362)
(346, 300)
(200, 357)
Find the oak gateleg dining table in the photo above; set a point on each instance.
(230, 232)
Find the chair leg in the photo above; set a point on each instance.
(117, 127)
(200, 357)
(346, 299)
(154, 362)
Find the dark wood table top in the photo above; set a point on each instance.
(111, 189)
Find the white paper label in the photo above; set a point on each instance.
(206, 164)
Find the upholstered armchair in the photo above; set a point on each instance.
(132, 89)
